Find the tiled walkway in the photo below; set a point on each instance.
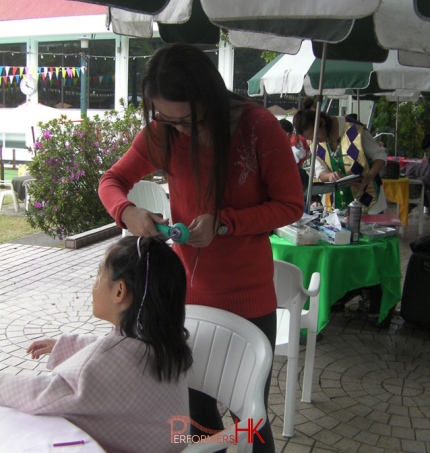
(371, 386)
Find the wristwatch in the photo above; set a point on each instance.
(222, 229)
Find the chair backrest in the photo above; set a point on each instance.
(28, 182)
(151, 196)
(292, 295)
(232, 360)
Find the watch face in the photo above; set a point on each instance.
(222, 229)
(28, 86)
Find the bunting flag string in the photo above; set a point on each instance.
(13, 74)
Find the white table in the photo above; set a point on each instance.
(24, 433)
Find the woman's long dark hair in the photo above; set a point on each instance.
(305, 119)
(162, 314)
(184, 73)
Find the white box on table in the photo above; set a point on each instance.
(335, 236)
(302, 235)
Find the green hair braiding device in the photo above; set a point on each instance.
(177, 233)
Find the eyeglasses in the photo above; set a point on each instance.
(186, 124)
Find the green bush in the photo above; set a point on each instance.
(69, 159)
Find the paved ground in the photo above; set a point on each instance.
(371, 388)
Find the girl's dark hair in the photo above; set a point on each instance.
(183, 73)
(287, 126)
(305, 119)
(162, 314)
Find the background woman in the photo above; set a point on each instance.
(345, 147)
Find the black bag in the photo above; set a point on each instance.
(391, 170)
(415, 306)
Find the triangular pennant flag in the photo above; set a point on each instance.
(14, 69)
(78, 70)
(73, 72)
(1, 70)
(27, 70)
(107, 78)
(6, 68)
(21, 70)
(75, 81)
(57, 71)
(83, 69)
(11, 78)
(100, 79)
(63, 72)
(17, 77)
(69, 72)
(43, 76)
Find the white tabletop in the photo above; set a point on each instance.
(24, 433)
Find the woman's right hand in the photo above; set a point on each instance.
(140, 222)
(41, 347)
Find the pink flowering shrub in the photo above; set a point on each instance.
(69, 159)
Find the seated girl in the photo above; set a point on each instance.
(123, 388)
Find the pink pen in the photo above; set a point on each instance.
(65, 444)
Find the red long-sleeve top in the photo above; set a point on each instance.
(235, 271)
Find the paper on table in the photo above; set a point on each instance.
(25, 433)
(381, 219)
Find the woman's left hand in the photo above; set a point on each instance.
(201, 231)
(363, 183)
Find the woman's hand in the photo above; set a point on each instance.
(140, 222)
(41, 347)
(367, 178)
(334, 176)
(201, 231)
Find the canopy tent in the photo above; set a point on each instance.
(291, 73)
(370, 77)
(284, 74)
(339, 29)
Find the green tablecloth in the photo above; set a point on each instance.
(346, 267)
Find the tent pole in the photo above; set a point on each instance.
(397, 127)
(358, 105)
(316, 129)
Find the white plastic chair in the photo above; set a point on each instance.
(291, 317)
(151, 196)
(416, 196)
(232, 360)
(27, 198)
(6, 188)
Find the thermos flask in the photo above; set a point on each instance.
(354, 219)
